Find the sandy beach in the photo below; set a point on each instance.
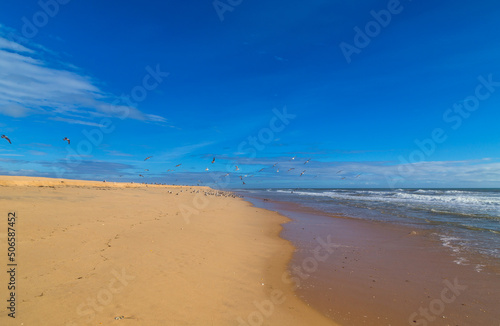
(95, 253)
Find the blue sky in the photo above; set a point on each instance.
(410, 101)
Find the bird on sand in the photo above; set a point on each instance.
(67, 139)
(147, 158)
(302, 173)
(6, 138)
(213, 160)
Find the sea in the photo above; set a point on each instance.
(467, 221)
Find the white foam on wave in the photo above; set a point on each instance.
(469, 199)
(458, 202)
(450, 242)
(460, 261)
(447, 242)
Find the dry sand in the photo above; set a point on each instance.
(88, 252)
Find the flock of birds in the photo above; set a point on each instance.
(213, 161)
(216, 193)
(241, 177)
(235, 170)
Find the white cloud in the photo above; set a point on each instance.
(483, 172)
(15, 110)
(437, 173)
(37, 153)
(11, 155)
(30, 85)
(117, 153)
(179, 152)
(13, 46)
(80, 122)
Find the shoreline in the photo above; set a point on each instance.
(380, 273)
(90, 254)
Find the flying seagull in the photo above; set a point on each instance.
(307, 161)
(302, 173)
(178, 165)
(357, 175)
(291, 169)
(244, 183)
(261, 170)
(6, 138)
(213, 160)
(66, 139)
(293, 158)
(147, 158)
(141, 175)
(274, 164)
(237, 168)
(339, 171)
(206, 169)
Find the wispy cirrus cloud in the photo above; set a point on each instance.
(181, 151)
(76, 121)
(37, 153)
(88, 168)
(117, 153)
(384, 174)
(30, 84)
(469, 173)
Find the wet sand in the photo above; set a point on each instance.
(381, 274)
(95, 253)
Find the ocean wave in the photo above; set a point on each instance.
(406, 197)
(470, 218)
(454, 202)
